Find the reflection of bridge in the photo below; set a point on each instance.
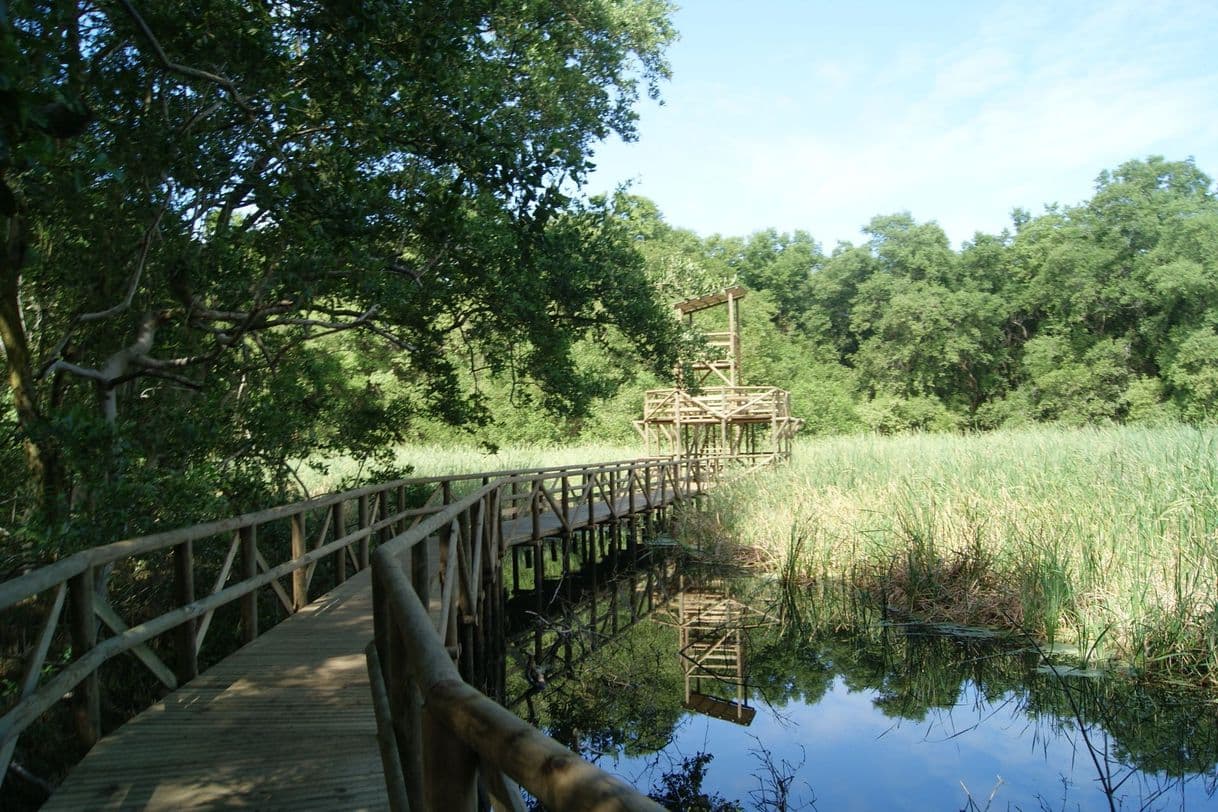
(291, 719)
(712, 650)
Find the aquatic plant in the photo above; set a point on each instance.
(1106, 538)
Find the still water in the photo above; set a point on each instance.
(891, 717)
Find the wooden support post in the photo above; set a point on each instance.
(249, 569)
(535, 513)
(592, 627)
(567, 579)
(339, 520)
(615, 543)
(187, 660)
(386, 531)
(449, 768)
(613, 609)
(420, 571)
(300, 578)
(647, 517)
(405, 701)
(391, 759)
(590, 483)
(515, 570)
(86, 698)
(405, 522)
(613, 492)
(500, 637)
(566, 500)
(539, 589)
(365, 519)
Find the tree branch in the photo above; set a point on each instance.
(155, 372)
(184, 70)
(133, 285)
(60, 365)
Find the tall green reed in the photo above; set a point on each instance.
(1104, 537)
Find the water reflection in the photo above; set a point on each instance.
(712, 633)
(885, 717)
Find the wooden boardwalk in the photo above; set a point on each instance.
(286, 722)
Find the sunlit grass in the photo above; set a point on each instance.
(1102, 537)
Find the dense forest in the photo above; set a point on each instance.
(1093, 313)
(236, 235)
(238, 240)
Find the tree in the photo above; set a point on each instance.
(193, 194)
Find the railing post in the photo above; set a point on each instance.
(402, 693)
(420, 571)
(386, 531)
(535, 510)
(184, 593)
(339, 520)
(650, 498)
(249, 569)
(365, 519)
(590, 483)
(300, 582)
(566, 500)
(86, 698)
(449, 768)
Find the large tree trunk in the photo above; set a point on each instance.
(41, 459)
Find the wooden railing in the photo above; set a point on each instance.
(714, 404)
(340, 527)
(438, 734)
(338, 530)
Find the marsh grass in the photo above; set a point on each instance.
(1103, 538)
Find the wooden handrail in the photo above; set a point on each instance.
(488, 732)
(25, 586)
(74, 583)
(437, 732)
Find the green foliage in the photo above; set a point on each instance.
(681, 788)
(1193, 373)
(238, 235)
(889, 414)
(1100, 312)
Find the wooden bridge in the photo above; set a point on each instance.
(402, 656)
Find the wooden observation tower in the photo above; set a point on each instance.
(712, 415)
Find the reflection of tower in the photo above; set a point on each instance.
(710, 414)
(712, 654)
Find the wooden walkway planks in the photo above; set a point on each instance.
(285, 722)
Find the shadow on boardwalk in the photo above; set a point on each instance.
(284, 723)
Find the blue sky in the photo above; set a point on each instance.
(818, 115)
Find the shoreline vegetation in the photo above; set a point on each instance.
(1100, 540)
(1097, 541)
